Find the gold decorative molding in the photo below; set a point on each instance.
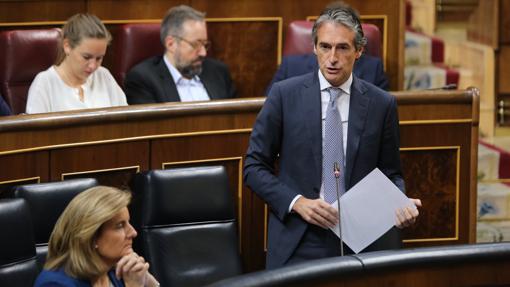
(128, 139)
(38, 178)
(166, 165)
(457, 192)
(436, 122)
(137, 167)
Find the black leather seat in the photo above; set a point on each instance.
(391, 268)
(188, 226)
(311, 273)
(18, 264)
(46, 202)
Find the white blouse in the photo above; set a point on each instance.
(49, 93)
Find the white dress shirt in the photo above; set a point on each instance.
(49, 93)
(343, 109)
(189, 90)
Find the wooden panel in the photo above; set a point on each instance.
(250, 48)
(433, 166)
(483, 23)
(131, 9)
(25, 168)
(40, 10)
(108, 143)
(504, 22)
(504, 70)
(111, 164)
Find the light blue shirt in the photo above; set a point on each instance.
(190, 90)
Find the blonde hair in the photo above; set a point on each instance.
(72, 242)
(79, 27)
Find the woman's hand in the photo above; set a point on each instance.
(133, 270)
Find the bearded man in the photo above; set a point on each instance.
(183, 73)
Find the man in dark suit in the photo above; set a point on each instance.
(183, 73)
(367, 68)
(4, 108)
(295, 128)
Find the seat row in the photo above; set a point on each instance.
(184, 217)
(25, 53)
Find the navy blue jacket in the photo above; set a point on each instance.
(4, 108)
(288, 130)
(50, 278)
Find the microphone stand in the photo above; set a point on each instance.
(336, 171)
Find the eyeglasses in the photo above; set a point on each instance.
(196, 45)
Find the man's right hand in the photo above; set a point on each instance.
(316, 211)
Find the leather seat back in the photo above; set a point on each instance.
(18, 264)
(47, 201)
(23, 54)
(188, 226)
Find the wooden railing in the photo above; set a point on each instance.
(439, 131)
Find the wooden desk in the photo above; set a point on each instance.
(439, 131)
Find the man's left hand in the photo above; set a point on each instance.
(407, 216)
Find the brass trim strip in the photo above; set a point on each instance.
(136, 21)
(436, 122)
(429, 148)
(22, 179)
(128, 139)
(244, 19)
(34, 23)
(430, 239)
(239, 187)
(457, 191)
(63, 175)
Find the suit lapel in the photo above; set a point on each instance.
(167, 82)
(311, 100)
(209, 83)
(358, 108)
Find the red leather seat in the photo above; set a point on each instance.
(299, 39)
(23, 54)
(133, 43)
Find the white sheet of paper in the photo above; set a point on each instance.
(368, 210)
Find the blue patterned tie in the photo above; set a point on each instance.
(333, 155)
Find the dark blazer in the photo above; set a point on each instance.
(288, 130)
(151, 82)
(367, 68)
(4, 108)
(49, 278)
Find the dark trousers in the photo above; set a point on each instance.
(321, 243)
(317, 243)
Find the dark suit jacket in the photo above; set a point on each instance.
(151, 82)
(288, 129)
(4, 108)
(367, 68)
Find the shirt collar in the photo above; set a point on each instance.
(176, 75)
(324, 84)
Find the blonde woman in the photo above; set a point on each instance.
(91, 244)
(77, 80)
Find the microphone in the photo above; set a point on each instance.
(336, 172)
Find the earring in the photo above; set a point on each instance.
(95, 246)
